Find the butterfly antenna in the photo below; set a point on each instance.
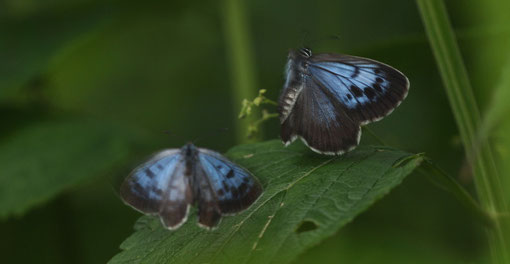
(116, 181)
(335, 37)
(303, 40)
(210, 133)
(175, 135)
(322, 39)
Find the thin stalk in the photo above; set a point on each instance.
(449, 184)
(446, 182)
(240, 57)
(467, 116)
(498, 107)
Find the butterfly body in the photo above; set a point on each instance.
(173, 180)
(327, 97)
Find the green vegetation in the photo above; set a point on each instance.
(88, 89)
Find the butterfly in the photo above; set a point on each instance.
(327, 97)
(173, 180)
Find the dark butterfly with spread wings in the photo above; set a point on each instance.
(327, 97)
(175, 179)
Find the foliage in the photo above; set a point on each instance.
(34, 170)
(88, 87)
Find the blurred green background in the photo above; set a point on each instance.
(88, 87)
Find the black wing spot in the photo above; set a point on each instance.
(377, 71)
(369, 92)
(144, 191)
(356, 91)
(355, 73)
(149, 173)
(159, 166)
(379, 80)
(137, 188)
(349, 96)
(226, 186)
(221, 192)
(230, 174)
(377, 87)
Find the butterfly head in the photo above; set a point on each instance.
(189, 150)
(298, 61)
(300, 54)
(305, 52)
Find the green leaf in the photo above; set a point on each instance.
(43, 159)
(307, 198)
(29, 44)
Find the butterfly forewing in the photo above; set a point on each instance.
(145, 187)
(159, 187)
(368, 89)
(234, 187)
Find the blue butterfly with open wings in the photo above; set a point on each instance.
(327, 97)
(173, 180)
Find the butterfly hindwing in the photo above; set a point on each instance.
(209, 213)
(320, 121)
(174, 210)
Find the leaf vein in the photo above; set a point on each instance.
(318, 197)
(238, 226)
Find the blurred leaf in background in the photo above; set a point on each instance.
(89, 87)
(44, 158)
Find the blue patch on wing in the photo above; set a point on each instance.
(228, 180)
(320, 107)
(353, 84)
(173, 180)
(146, 187)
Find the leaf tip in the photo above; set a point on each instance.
(405, 160)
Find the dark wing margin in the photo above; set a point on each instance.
(320, 121)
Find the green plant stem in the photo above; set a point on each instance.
(449, 184)
(499, 107)
(446, 182)
(264, 118)
(467, 116)
(239, 53)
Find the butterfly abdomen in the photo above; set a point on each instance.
(295, 74)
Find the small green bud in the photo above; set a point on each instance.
(258, 100)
